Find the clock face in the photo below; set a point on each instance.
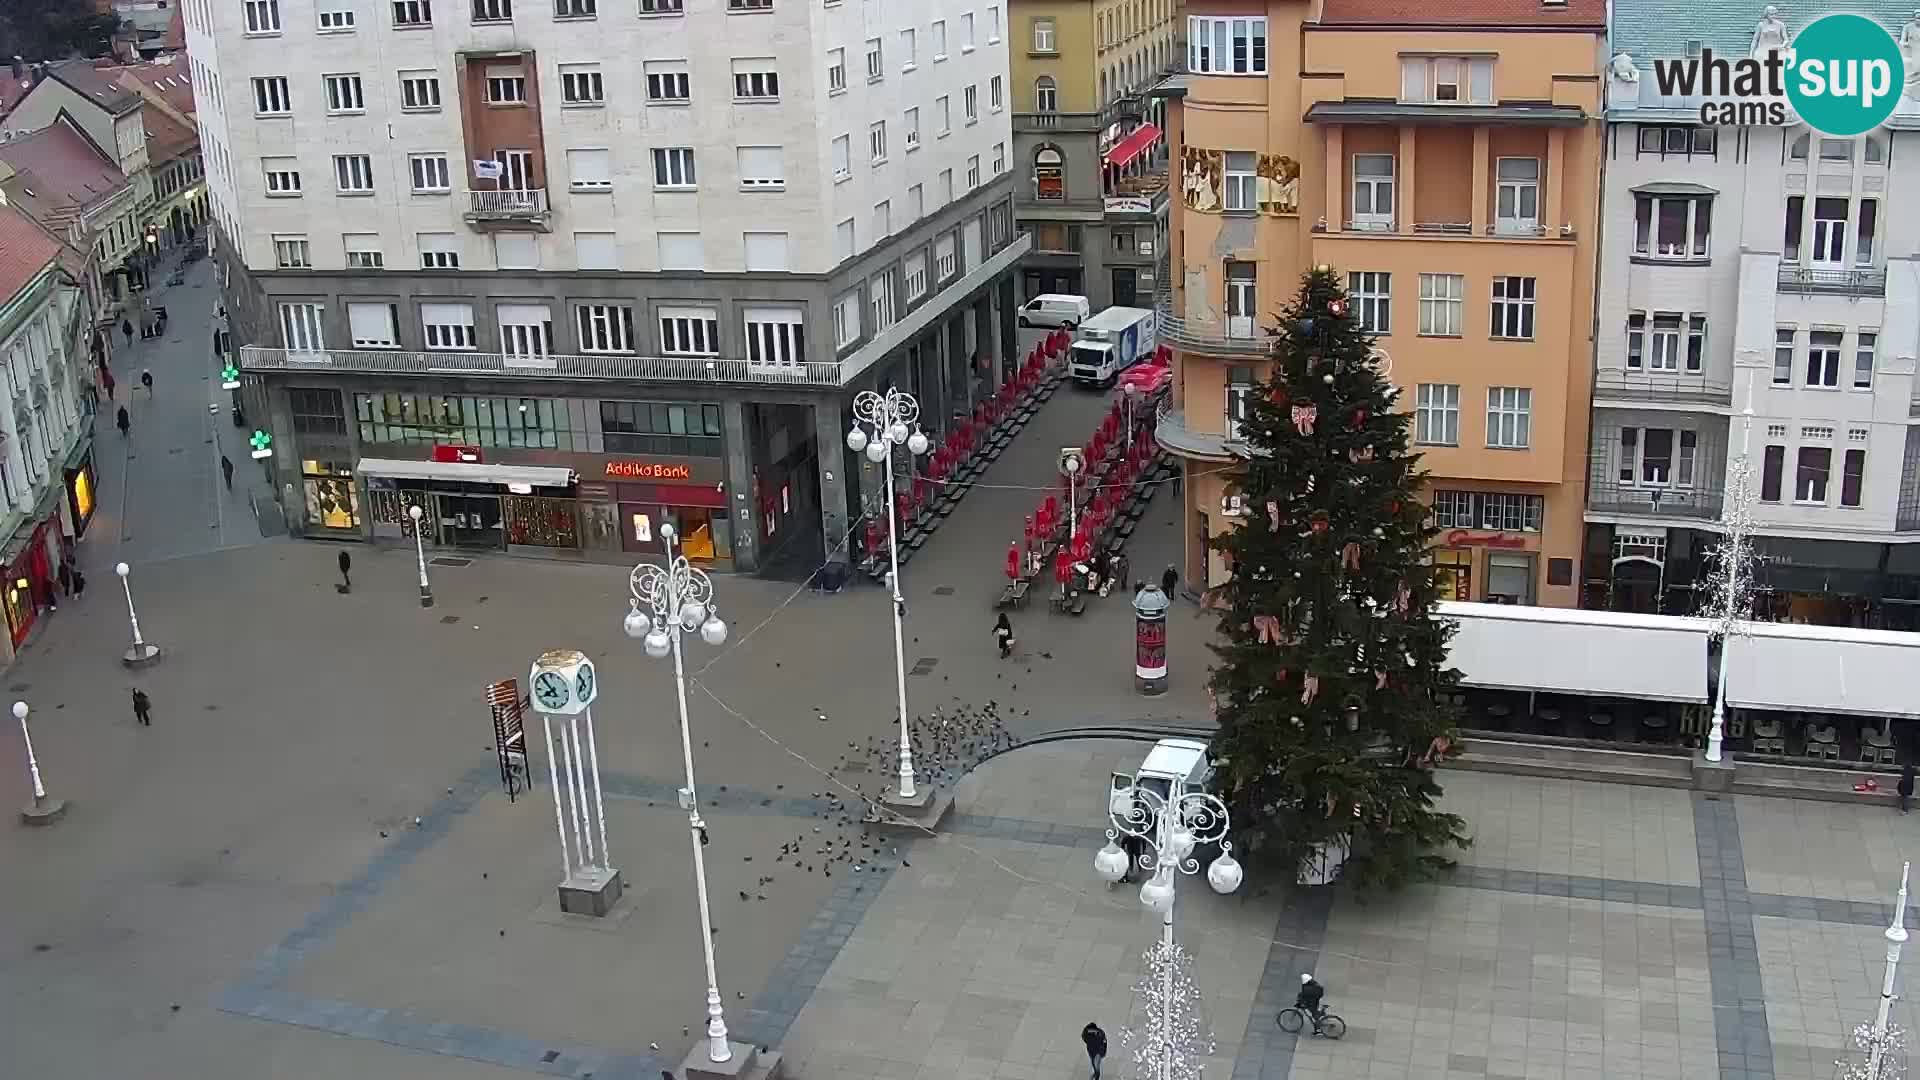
(550, 690)
(583, 686)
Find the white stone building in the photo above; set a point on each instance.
(1765, 266)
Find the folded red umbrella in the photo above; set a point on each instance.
(1030, 528)
(1062, 568)
(873, 536)
(1013, 560)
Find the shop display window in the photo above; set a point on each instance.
(1453, 574)
(542, 522)
(333, 499)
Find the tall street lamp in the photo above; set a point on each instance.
(420, 552)
(142, 652)
(678, 598)
(1731, 580)
(42, 810)
(892, 418)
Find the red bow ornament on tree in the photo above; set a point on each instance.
(1350, 556)
(1278, 395)
(1268, 627)
(1304, 417)
(1311, 690)
(1360, 454)
(1359, 419)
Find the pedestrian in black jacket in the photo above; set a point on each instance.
(142, 708)
(346, 572)
(1096, 1041)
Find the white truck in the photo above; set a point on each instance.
(1109, 343)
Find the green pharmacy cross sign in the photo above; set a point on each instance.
(262, 445)
(229, 378)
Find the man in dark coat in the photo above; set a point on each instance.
(1096, 1041)
(346, 570)
(142, 708)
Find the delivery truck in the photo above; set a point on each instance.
(1109, 343)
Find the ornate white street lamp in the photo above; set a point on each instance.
(420, 552)
(1071, 465)
(678, 598)
(1731, 581)
(142, 651)
(892, 417)
(42, 810)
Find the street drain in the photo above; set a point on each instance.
(943, 590)
(449, 620)
(449, 560)
(550, 1057)
(924, 665)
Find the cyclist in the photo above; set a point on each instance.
(1310, 999)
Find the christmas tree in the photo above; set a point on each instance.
(1330, 688)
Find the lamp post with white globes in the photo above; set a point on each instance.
(668, 601)
(1071, 463)
(420, 551)
(892, 417)
(1172, 826)
(42, 810)
(142, 651)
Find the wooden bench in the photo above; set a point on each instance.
(1014, 595)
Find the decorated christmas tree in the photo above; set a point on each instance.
(1331, 687)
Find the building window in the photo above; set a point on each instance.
(661, 427)
(1790, 244)
(506, 86)
(1512, 311)
(970, 104)
(842, 150)
(1829, 232)
(605, 328)
(880, 300)
(1810, 474)
(419, 91)
(526, 331)
(263, 16)
(756, 80)
(673, 167)
(943, 111)
(1676, 140)
(999, 158)
(1636, 340)
(575, 9)
(580, 85)
(291, 253)
(412, 13)
(363, 251)
(939, 40)
(1823, 358)
(371, 326)
(1436, 415)
(317, 412)
(429, 173)
(946, 261)
(1046, 94)
(336, 22)
(438, 251)
(996, 94)
(271, 97)
(846, 320)
(1657, 457)
(1241, 180)
(876, 61)
(877, 142)
(762, 168)
(909, 50)
(973, 171)
(300, 327)
(1240, 386)
(1517, 199)
(1043, 36)
(1446, 80)
(775, 337)
(1853, 473)
(1242, 279)
(344, 94)
(1672, 226)
(749, 5)
(1371, 293)
(966, 32)
(1443, 302)
(916, 275)
(1869, 216)
(1373, 191)
(662, 7)
(1495, 511)
(1226, 45)
(836, 71)
(689, 331)
(492, 10)
(667, 82)
(596, 251)
(1696, 344)
(1863, 350)
(353, 174)
(681, 250)
(1509, 417)
(1783, 350)
(882, 219)
(910, 124)
(283, 176)
(1666, 342)
(1772, 465)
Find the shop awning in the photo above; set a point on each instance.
(1133, 145)
(1828, 669)
(472, 472)
(1600, 653)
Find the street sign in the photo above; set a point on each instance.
(262, 445)
(229, 378)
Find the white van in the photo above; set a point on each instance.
(1055, 309)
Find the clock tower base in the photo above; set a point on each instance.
(590, 891)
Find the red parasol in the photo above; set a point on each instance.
(1062, 568)
(1013, 560)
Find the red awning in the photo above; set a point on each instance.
(1131, 147)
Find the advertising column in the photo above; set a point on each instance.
(1150, 641)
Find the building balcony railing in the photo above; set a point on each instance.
(689, 369)
(1222, 335)
(1172, 433)
(1813, 280)
(1664, 386)
(1124, 107)
(1613, 497)
(508, 206)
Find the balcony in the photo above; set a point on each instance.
(1807, 280)
(1668, 387)
(1125, 107)
(1216, 334)
(1613, 497)
(1172, 433)
(510, 208)
(686, 369)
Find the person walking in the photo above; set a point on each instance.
(142, 708)
(1135, 847)
(126, 327)
(1096, 1041)
(79, 583)
(346, 570)
(123, 422)
(1003, 633)
(226, 473)
(146, 380)
(1905, 787)
(1169, 580)
(106, 381)
(65, 576)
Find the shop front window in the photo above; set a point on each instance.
(600, 526)
(1453, 574)
(333, 501)
(1509, 578)
(20, 608)
(703, 534)
(541, 522)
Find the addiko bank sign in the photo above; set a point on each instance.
(630, 469)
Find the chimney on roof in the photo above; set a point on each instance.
(19, 69)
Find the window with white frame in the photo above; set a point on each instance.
(516, 251)
(371, 325)
(876, 61)
(883, 219)
(344, 94)
(1696, 344)
(880, 300)
(673, 167)
(1436, 414)
(1665, 341)
(662, 7)
(1226, 45)
(996, 94)
(1370, 292)
(776, 337)
(1811, 472)
(999, 158)
(1676, 140)
(1657, 457)
(1373, 191)
(1672, 226)
(942, 116)
(291, 252)
(1043, 35)
(580, 85)
(605, 328)
(353, 174)
(1443, 303)
(1823, 358)
(749, 5)
(762, 168)
(877, 142)
(910, 123)
(766, 252)
(1241, 179)
(843, 240)
(282, 176)
(300, 327)
(1785, 344)
(1509, 417)
(1046, 94)
(1866, 222)
(836, 71)
(526, 330)
(939, 40)
(363, 251)
(966, 32)
(596, 251)
(1512, 310)
(970, 103)
(945, 259)
(271, 96)
(909, 54)
(448, 326)
(916, 202)
(1853, 475)
(438, 251)
(335, 20)
(682, 251)
(411, 13)
(689, 331)
(429, 173)
(1447, 80)
(263, 16)
(973, 171)
(915, 273)
(842, 149)
(846, 320)
(1242, 286)
(1829, 232)
(1517, 196)
(492, 10)
(590, 169)
(506, 86)
(1494, 511)
(1241, 381)
(419, 91)
(575, 9)
(1863, 350)
(756, 79)
(667, 82)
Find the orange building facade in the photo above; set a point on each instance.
(1450, 171)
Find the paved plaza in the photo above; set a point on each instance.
(307, 869)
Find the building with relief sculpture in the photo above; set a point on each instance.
(1766, 267)
(1447, 164)
(560, 271)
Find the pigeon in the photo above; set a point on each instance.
(653, 1046)
(743, 894)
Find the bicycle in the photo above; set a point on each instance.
(1328, 1026)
